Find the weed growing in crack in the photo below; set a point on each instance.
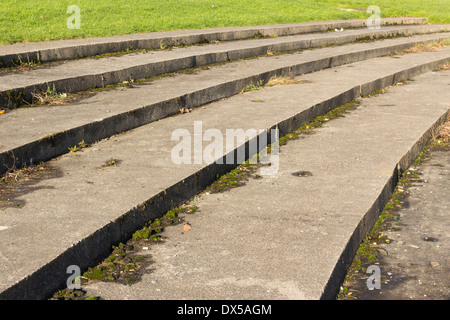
(253, 87)
(79, 147)
(50, 96)
(127, 263)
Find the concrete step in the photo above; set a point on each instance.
(80, 48)
(17, 88)
(80, 206)
(286, 237)
(49, 131)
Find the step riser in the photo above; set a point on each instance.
(44, 282)
(10, 98)
(202, 36)
(57, 144)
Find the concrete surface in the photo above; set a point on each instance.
(78, 48)
(80, 75)
(59, 221)
(49, 131)
(415, 263)
(283, 237)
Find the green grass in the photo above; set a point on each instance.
(31, 20)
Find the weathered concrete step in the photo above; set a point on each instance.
(287, 237)
(78, 48)
(74, 215)
(17, 88)
(46, 132)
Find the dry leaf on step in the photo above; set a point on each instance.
(186, 227)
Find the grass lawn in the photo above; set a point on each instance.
(32, 20)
